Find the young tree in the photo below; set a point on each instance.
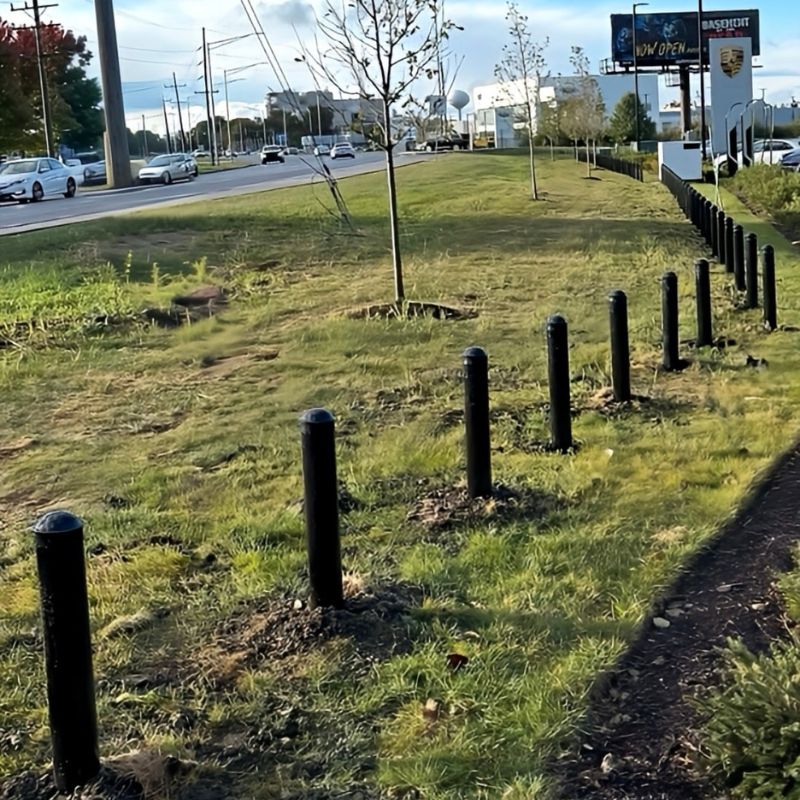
(550, 123)
(521, 67)
(376, 50)
(585, 110)
(622, 125)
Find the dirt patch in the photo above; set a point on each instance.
(642, 731)
(17, 446)
(202, 303)
(409, 311)
(451, 506)
(222, 367)
(376, 623)
(109, 785)
(653, 408)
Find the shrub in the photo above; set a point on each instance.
(768, 189)
(752, 740)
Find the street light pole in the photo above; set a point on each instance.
(636, 74)
(227, 109)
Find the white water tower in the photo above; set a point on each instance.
(459, 100)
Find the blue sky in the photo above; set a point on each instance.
(157, 38)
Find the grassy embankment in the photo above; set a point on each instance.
(174, 445)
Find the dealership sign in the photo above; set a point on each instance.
(671, 38)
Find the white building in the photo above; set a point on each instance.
(497, 106)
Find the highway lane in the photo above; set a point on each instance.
(88, 205)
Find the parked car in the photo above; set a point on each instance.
(791, 160)
(438, 143)
(94, 167)
(271, 154)
(34, 179)
(290, 151)
(76, 168)
(343, 150)
(200, 153)
(766, 151)
(168, 168)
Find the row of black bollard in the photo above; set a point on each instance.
(727, 242)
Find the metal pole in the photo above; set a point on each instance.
(117, 155)
(285, 136)
(67, 649)
(751, 270)
(729, 252)
(768, 280)
(321, 506)
(214, 158)
(476, 422)
(635, 78)
(227, 109)
(738, 258)
(166, 125)
(701, 63)
(144, 138)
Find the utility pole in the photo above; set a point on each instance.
(144, 138)
(285, 136)
(117, 156)
(213, 108)
(178, 103)
(701, 60)
(207, 93)
(37, 29)
(166, 124)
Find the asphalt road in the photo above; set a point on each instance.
(87, 205)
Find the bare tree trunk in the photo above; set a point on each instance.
(397, 264)
(588, 161)
(534, 188)
(552, 151)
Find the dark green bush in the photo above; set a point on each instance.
(752, 732)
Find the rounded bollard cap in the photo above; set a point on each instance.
(59, 521)
(669, 277)
(751, 236)
(474, 353)
(317, 416)
(616, 295)
(556, 321)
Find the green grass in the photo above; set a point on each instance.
(540, 605)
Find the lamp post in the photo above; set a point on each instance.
(636, 73)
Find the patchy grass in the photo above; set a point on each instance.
(180, 449)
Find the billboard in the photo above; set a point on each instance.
(669, 39)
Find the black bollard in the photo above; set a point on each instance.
(705, 227)
(729, 244)
(669, 321)
(751, 270)
(768, 280)
(620, 351)
(721, 236)
(702, 284)
(738, 257)
(321, 501)
(713, 217)
(476, 422)
(558, 372)
(67, 649)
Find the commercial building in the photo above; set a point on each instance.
(499, 108)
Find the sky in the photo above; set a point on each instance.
(157, 38)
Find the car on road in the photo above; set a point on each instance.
(34, 179)
(94, 167)
(791, 160)
(438, 143)
(168, 168)
(200, 153)
(290, 151)
(76, 168)
(322, 150)
(272, 154)
(343, 150)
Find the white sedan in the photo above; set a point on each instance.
(168, 168)
(34, 179)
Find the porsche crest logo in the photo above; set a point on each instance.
(731, 60)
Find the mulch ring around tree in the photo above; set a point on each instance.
(376, 623)
(409, 310)
(642, 734)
